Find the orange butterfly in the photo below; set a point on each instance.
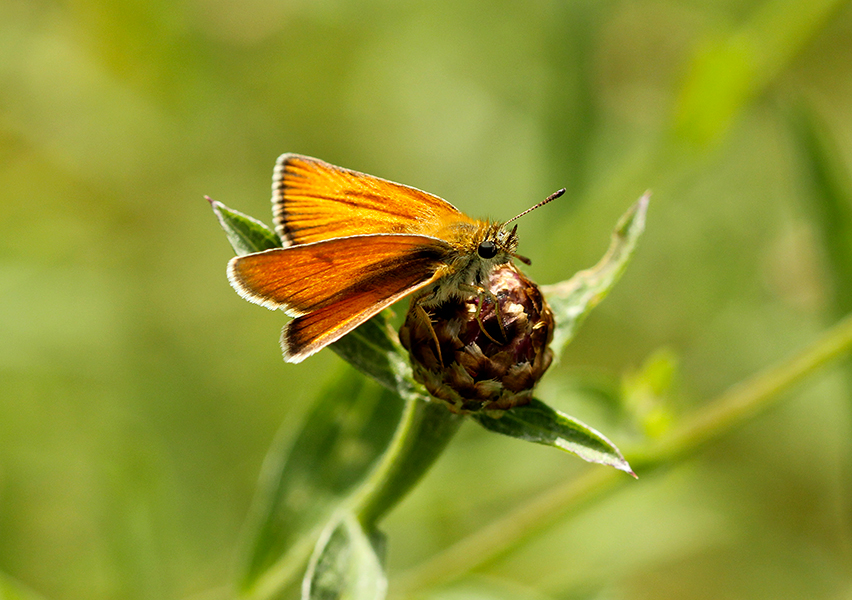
(355, 244)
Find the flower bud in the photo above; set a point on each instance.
(491, 363)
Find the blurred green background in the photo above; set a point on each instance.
(139, 393)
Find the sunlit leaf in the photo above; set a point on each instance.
(728, 71)
(647, 393)
(246, 234)
(373, 349)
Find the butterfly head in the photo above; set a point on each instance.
(499, 244)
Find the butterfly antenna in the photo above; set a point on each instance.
(550, 198)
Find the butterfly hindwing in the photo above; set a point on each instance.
(333, 286)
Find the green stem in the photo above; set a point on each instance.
(733, 408)
(745, 400)
(423, 433)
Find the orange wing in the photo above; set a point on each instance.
(333, 286)
(314, 200)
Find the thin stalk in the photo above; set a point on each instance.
(742, 402)
(424, 431)
(734, 407)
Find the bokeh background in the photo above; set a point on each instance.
(139, 393)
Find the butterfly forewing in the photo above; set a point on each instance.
(335, 285)
(314, 200)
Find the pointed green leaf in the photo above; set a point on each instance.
(246, 234)
(537, 422)
(572, 300)
(305, 482)
(347, 564)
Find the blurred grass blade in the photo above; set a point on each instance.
(832, 199)
(572, 300)
(246, 234)
(537, 422)
(304, 484)
(347, 563)
(10, 589)
(728, 72)
(573, 111)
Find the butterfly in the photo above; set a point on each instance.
(353, 244)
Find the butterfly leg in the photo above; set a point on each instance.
(484, 293)
(424, 316)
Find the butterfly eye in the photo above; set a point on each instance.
(487, 249)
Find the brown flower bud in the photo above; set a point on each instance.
(491, 363)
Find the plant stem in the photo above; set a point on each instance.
(745, 400)
(734, 407)
(424, 431)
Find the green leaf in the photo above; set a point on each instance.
(537, 422)
(347, 563)
(647, 393)
(572, 300)
(305, 482)
(358, 449)
(246, 234)
(373, 348)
